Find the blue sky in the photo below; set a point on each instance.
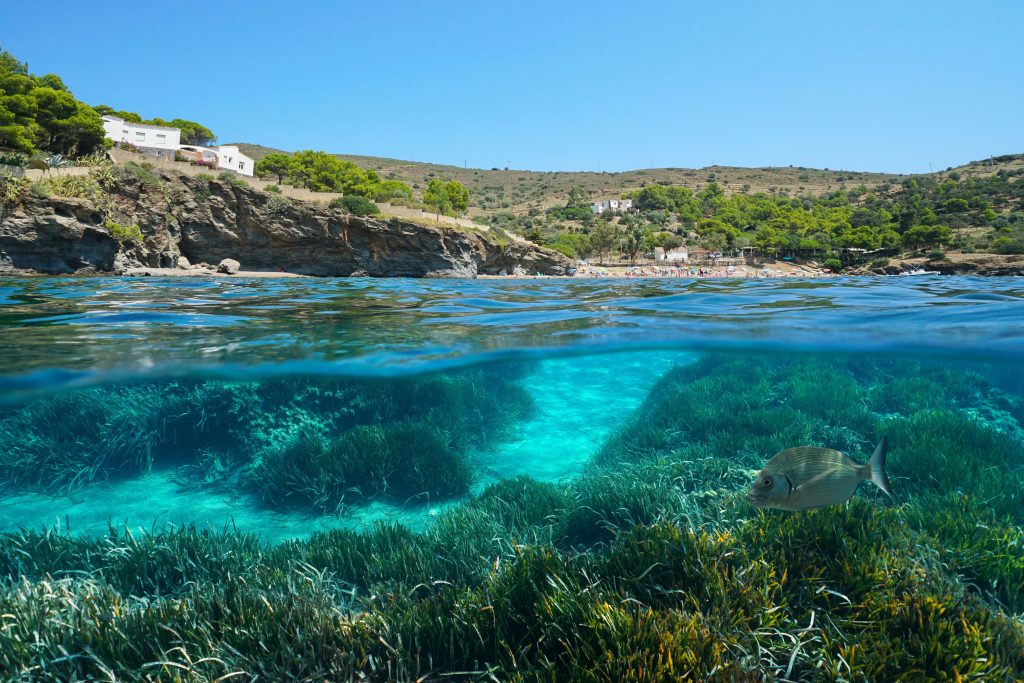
(872, 86)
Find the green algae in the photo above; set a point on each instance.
(405, 438)
(651, 566)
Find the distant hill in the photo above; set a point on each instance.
(516, 191)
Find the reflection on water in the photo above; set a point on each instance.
(96, 329)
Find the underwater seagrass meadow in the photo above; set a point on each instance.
(462, 481)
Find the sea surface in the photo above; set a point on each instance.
(80, 355)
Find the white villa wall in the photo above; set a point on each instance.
(611, 205)
(230, 158)
(161, 138)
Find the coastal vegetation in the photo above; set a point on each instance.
(38, 114)
(836, 218)
(649, 566)
(916, 215)
(323, 172)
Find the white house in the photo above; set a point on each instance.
(161, 141)
(611, 205)
(677, 255)
(231, 158)
(224, 158)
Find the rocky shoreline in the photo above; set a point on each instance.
(192, 225)
(185, 220)
(952, 264)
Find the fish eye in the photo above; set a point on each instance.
(767, 482)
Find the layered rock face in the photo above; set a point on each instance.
(207, 221)
(953, 264)
(55, 236)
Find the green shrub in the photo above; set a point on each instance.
(272, 188)
(231, 178)
(39, 188)
(143, 172)
(13, 190)
(277, 204)
(356, 205)
(833, 264)
(124, 233)
(1008, 245)
(13, 159)
(73, 186)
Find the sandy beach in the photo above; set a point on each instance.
(585, 272)
(778, 270)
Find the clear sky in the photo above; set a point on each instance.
(897, 86)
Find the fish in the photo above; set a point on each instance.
(807, 477)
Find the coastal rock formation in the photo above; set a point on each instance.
(56, 235)
(953, 264)
(195, 220)
(228, 266)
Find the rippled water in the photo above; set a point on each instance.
(62, 332)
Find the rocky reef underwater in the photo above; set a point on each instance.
(648, 564)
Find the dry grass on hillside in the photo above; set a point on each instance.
(519, 191)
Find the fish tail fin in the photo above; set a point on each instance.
(876, 466)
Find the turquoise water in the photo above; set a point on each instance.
(493, 418)
(593, 351)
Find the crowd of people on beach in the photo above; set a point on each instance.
(695, 271)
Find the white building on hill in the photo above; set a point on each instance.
(611, 205)
(677, 255)
(160, 141)
(228, 158)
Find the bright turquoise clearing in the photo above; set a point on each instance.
(232, 402)
(578, 401)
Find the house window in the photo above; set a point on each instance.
(241, 165)
(139, 135)
(160, 137)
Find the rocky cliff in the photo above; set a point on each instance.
(952, 264)
(210, 220)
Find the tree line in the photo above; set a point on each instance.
(323, 172)
(39, 114)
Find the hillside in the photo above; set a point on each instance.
(516, 191)
(124, 217)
